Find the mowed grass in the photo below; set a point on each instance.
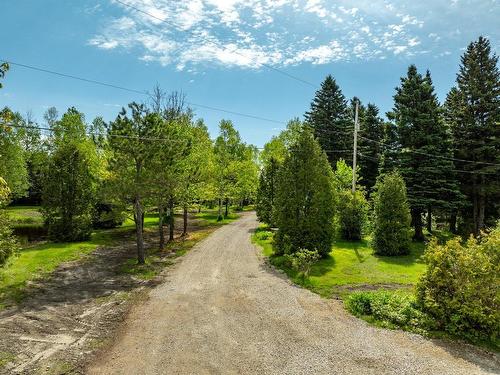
(350, 266)
(210, 218)
(24, 215)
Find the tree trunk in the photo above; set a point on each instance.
(219, 217)
(139, 225)
(185, 226)
(453, 222)
(160, 226)
(480, 215)
(429, 219)
(418, 225)
(172, 219)
(227, 208)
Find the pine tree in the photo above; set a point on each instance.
(332, 122)
(424, 160)
(391, 232)
(304, 199)
(266, 192)
(473, 113)
(371, 135)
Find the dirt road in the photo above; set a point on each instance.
(223, 311)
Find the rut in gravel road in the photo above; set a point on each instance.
(222, 310)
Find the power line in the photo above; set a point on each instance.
(78, 78)
(412, 151)
(98, 134)
(452, 170)
(215, 43)
(434, 155)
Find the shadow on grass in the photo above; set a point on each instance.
(415, 257)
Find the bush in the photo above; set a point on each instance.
(8, 243)
(107, 216)
(69, 192)
(390, 309)
(391, 232)
(304, 206)
(263, 235)
(461, 286)
(352, 209)
(302, 261)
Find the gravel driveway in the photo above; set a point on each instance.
(223, 311)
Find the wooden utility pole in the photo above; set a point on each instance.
(355, 151)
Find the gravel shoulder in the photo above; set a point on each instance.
(222, 310)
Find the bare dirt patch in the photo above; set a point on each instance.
(68, 317)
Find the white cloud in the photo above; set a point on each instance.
(250, 33)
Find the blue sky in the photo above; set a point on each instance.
(218, 52)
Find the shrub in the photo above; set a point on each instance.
(390, 309)
(391, 232)
(69, 191)
(302, 261)
(8, 243)
(263, 235)
(352, 209)
(461, 286)
(107, 216)
(304, 206)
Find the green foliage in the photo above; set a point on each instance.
(391, 233)
(302, 261)
(472, 111)
(351, 208)
(4, 67)
(69, 186)
(422, 133)
(390, 309)
(352, 211)
(371, 135)
(266, 191)
(8, 243)
(331, 119)
(12, 157)
(460, 288)
(305, 199)
(236, 172)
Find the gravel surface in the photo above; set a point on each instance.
(222, 310)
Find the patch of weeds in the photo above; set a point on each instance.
(390, 310)
(146, 271)
(5, 358)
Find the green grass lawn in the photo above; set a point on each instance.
(351, 266)
(210, 218)
(24, 215)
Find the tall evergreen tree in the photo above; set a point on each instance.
(304, 204)
(369, 145)
(424, 160)
(332, 122)
(473, 113)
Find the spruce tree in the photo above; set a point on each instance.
(266, 191)
(304, 199)
(424, 161)
(473, 113)
(391, 232)
(369, 145)
(332, 122)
